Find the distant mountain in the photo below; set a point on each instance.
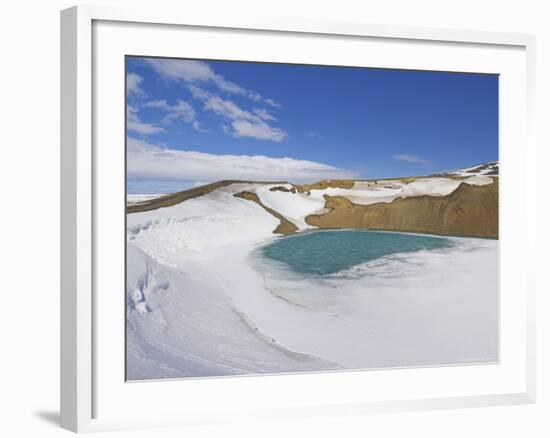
(488, 169)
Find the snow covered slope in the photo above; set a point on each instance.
(200, 302)
(183, 324)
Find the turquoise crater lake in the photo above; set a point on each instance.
(330, 251)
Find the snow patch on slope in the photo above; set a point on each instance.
(369, 192)
(491, 168)
(294, 206)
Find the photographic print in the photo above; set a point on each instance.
(286, 218)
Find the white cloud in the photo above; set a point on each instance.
(259, 130)
(199, 93)
(227, 108)
(272, 103)
(133, 85)
(182, 110)
(134, 124)
(193, 72)
(158, 103)
(242, 123)
(147, 161)
(263, 114)
(411, 159)
(198, 126)
(187, 70)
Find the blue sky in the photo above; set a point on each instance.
(192, 121)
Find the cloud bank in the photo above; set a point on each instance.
(146, 161)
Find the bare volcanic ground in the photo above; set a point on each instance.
(464, 203)
(468, 211)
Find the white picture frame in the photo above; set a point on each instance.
(80, 167)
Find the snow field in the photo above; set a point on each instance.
(202, 301)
